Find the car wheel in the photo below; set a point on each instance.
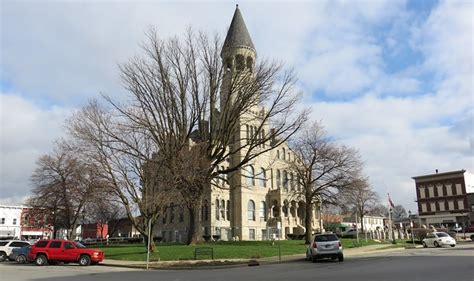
(3, 256)
(454, 245)
(84, 260)
(436, 244)
(340, 257)
(314, 259)
(41, 260)
(20, 259)
(424, 245)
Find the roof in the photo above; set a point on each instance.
(238, 35)
(452, 173)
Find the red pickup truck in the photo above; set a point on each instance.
(45, 251)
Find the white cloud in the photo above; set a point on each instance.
(27, 132)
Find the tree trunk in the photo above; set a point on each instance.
(362, 223)
(308, 223)
(152, 243)
(192, 233)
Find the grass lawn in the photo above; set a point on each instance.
(222, 250)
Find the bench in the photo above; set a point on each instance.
(204, 251)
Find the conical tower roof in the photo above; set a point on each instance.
(238, 35)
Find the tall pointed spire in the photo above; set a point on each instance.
(238, 35)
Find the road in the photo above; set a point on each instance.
(456, 264)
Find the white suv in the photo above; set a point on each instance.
(6, 247)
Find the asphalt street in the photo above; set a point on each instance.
(454, 264)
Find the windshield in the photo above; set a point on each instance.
(322, 238)
(441, 234)
(79, 245)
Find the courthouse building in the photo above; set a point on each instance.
(257, 200)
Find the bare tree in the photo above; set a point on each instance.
(63, 184)
(185, 106)
(399, 212)
(323, 169)
(361, 199)
(104, 209)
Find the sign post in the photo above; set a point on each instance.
(148, 247)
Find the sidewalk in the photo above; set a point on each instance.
(225, 263)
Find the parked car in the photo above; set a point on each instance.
(7, 246)
(51, 250)
(20, 255)
(438, 239)
(470, 228)
(350, 233)
(325, 246)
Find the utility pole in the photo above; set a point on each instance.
(148, 247)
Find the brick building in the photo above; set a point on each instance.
(443, 198)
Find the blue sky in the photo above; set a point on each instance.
(393, 79)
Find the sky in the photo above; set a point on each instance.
(393, 79)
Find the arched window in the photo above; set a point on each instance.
(222, 209)
(249, 63)
(217, 209)
(292, 182)
(275, 209)
(278, 154)
(228, 210)
(251, 210)
(285, 180)
(278, 179)
(263, 178)
(283, 153)
(240, 62)
(285, 208)
(250, 176)
(263, 211)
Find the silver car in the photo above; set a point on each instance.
(325, 246)
(438, 239)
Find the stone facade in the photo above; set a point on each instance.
(254, 201)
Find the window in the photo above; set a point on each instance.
(18, 244)
(2, 221)
(441, 205)
(68, 245)
(171, 213)
(460, 204)
(450, 205)
(181, 215)
(292, 182)
(285, 208)
(458, 189)
(228, 210)
(263, 211)
(251, 234)
(278, 154)
(263, 178)
(278, 179)
(240, 62)
(433, 206)
(14, 221)
(423, 208)
(430, 191)
(3, 243)
(41, 244)
(249, 63)
(449, 190)
(283, 153)
(285, 180)
(222, 209)
(250, 176)
(422, 192)
(472, 208)
(251, 210)
(55, 244)
(217, 209)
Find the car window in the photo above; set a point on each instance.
(79, 245)
(55, 244)
(68, 245)
(3, 243)
(17, 244)
(41, 244)
(442, 234)
(322, 238)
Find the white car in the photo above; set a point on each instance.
(325, 246)
(438, 239)
(6, 247)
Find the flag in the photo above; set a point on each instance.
(390, 203)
